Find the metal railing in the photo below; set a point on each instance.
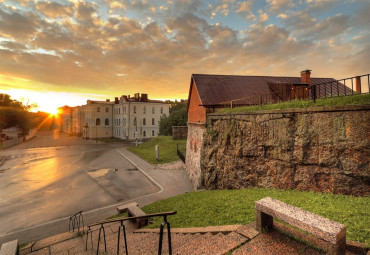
(288, 92)
(181, 151)
(123, 228)
(75, 222)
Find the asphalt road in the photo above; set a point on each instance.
(39, 184)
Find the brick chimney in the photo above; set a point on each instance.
(306, 76)
(116, 100)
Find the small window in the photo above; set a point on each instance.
(124, 109)
(98, 109)
(97, 122)
(134, 109)
(152, 132)
(144, 110)
(144, 122)
(124, 121)
(153, 110)
(106, 109)
(153, 121)
(119, 122)
(161, 110)
(119, 110)
(144, 133)
(134, 121)
(106, 122)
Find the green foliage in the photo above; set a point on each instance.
(177, 117)
(167, 149)
(227, 207)
(334, 101)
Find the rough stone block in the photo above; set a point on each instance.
(9, 248)
(317, 225)
(123, 208)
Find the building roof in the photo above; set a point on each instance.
(215, 89)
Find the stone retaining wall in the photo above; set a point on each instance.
(194, 144)
(318, 149)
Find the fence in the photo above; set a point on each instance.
(280, 92)
(11, 142)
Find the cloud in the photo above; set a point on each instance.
(276, 6)
(80, 47)
(54, 10)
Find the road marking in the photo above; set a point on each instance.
(161, 189)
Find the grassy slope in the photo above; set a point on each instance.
(334, 101)
(224, 207)
(167, 149)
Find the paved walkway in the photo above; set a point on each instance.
(233, 239)
(170, 183)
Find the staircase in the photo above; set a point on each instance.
(234, 239)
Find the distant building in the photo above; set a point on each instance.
(126, 118)
(137, 117)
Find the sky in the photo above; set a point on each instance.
(57, 53)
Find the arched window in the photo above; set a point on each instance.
(97, 122)
(153, 110)
(144, 133)
(124, 121)
(106, 109)
(144, 110)
(152, 132)
(106, 122)
(135, 122)
(153, 121)
(144, 122)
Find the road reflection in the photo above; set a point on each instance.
(42, 173)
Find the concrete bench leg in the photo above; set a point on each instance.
(263, 221)
(338, 249)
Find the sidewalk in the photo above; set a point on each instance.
(170, 183)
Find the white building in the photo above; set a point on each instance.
(126, 118)
(137, 117)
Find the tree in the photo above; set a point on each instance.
(178, 117)
(15, 113)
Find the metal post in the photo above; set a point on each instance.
(157, 152)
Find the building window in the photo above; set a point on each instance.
(106, 122)
(152, 132)
(135, 122)
(144, 122)
(153, 110)
(134, 109)
(124, 121)
(97, 122)
(153, 121)
(119, 110)
(161, 110)
(144, 110)
(144, 133)
(98, 109)
(106, 109)
(124, 109)
(119, 122)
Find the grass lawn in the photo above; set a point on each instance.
(227, 207)
(334, 101)
(167, 149)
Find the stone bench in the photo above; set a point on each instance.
(133, 210)
(328, 230)
(9, 248)
(123, 208)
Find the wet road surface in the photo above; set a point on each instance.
(39, 184)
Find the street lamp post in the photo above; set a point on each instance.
(86, 128)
